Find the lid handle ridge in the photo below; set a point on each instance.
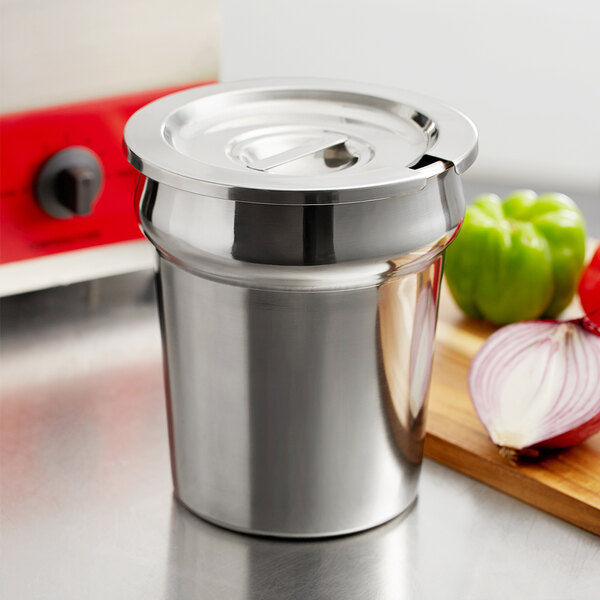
(329, 140)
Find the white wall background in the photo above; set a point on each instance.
(526, 71)
(54, 51)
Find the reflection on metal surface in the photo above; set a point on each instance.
(407, 319)
(272, 245)
(209, 562)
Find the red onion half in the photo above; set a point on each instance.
(536, 385)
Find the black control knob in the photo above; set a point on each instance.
(69, 183)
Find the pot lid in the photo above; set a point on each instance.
(298, 141)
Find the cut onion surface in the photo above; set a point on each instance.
(535, 385)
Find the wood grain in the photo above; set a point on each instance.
(565, 484)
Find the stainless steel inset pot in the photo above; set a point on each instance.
(300, 227)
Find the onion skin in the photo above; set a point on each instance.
(573, 437)
(535, 386)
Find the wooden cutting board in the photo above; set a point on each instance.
(566, 484)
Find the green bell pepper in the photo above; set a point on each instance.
(517, 259)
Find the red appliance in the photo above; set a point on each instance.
(65, 183)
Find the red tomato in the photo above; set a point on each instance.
(589, 288)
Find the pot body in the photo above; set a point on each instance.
(298, 345)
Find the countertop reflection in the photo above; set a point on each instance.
(87, 510)
(214, 562)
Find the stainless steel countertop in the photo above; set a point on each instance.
(87, 510)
